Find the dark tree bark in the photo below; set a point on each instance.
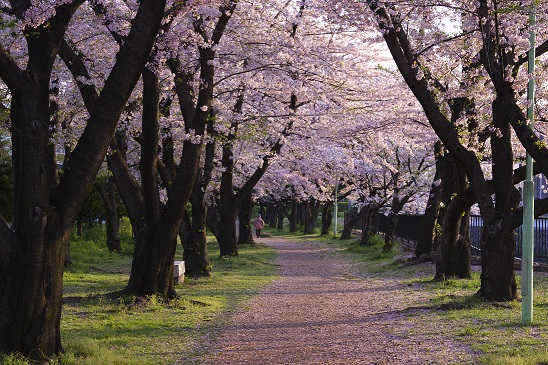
(375, 221)
(498, 243)
(370, 222)
(212, 219)
(425, 244)
(293, 216)
(193, 238)
(280, 211)
(327, 217)
(454, 247)
(311, 212)
(33, 251)
(195, 243)
(392, 220)
(147, 276)
(112, 223)
(244, 216)
(271, 214)
(349, 225)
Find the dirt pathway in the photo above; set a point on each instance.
(318, 312)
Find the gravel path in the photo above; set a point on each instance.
(319, 312)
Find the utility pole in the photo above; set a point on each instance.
(528, 189)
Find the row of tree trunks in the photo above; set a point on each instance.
(108, 195)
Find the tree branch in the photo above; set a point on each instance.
(10, 72)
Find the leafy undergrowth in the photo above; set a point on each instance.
(98, 330)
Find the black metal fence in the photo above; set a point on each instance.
(540, 241)
(408, 228)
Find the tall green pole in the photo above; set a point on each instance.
(528, 190)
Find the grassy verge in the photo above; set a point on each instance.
(97, 330)
(493, 330)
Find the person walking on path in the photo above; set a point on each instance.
(259, 224)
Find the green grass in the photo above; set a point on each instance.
(99, 330)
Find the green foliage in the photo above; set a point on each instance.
(14, 359)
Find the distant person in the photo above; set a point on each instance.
(259, 224)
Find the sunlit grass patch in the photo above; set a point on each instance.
(99, 329)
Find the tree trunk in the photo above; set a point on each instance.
(454, 247)
(111, 216)
(425, 243)
(228, 209)
(33, 251)
(195, 251)
(271, 215)
(280, 211)
(244, 216)
(195, 242)
(454, 253)
(227, 231)
(311, 212)
(193, 239)
(152, 266)
(355, 216)
(392, 220)
(367, 218)
(213, 219)
(327, 217)
(390, 234)
(375, 221)
(463, 270)
(498, 280)
(293, 216)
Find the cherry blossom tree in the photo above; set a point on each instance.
(434, 86)
(33, 248)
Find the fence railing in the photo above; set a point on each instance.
(540, 241)
(408, 228)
